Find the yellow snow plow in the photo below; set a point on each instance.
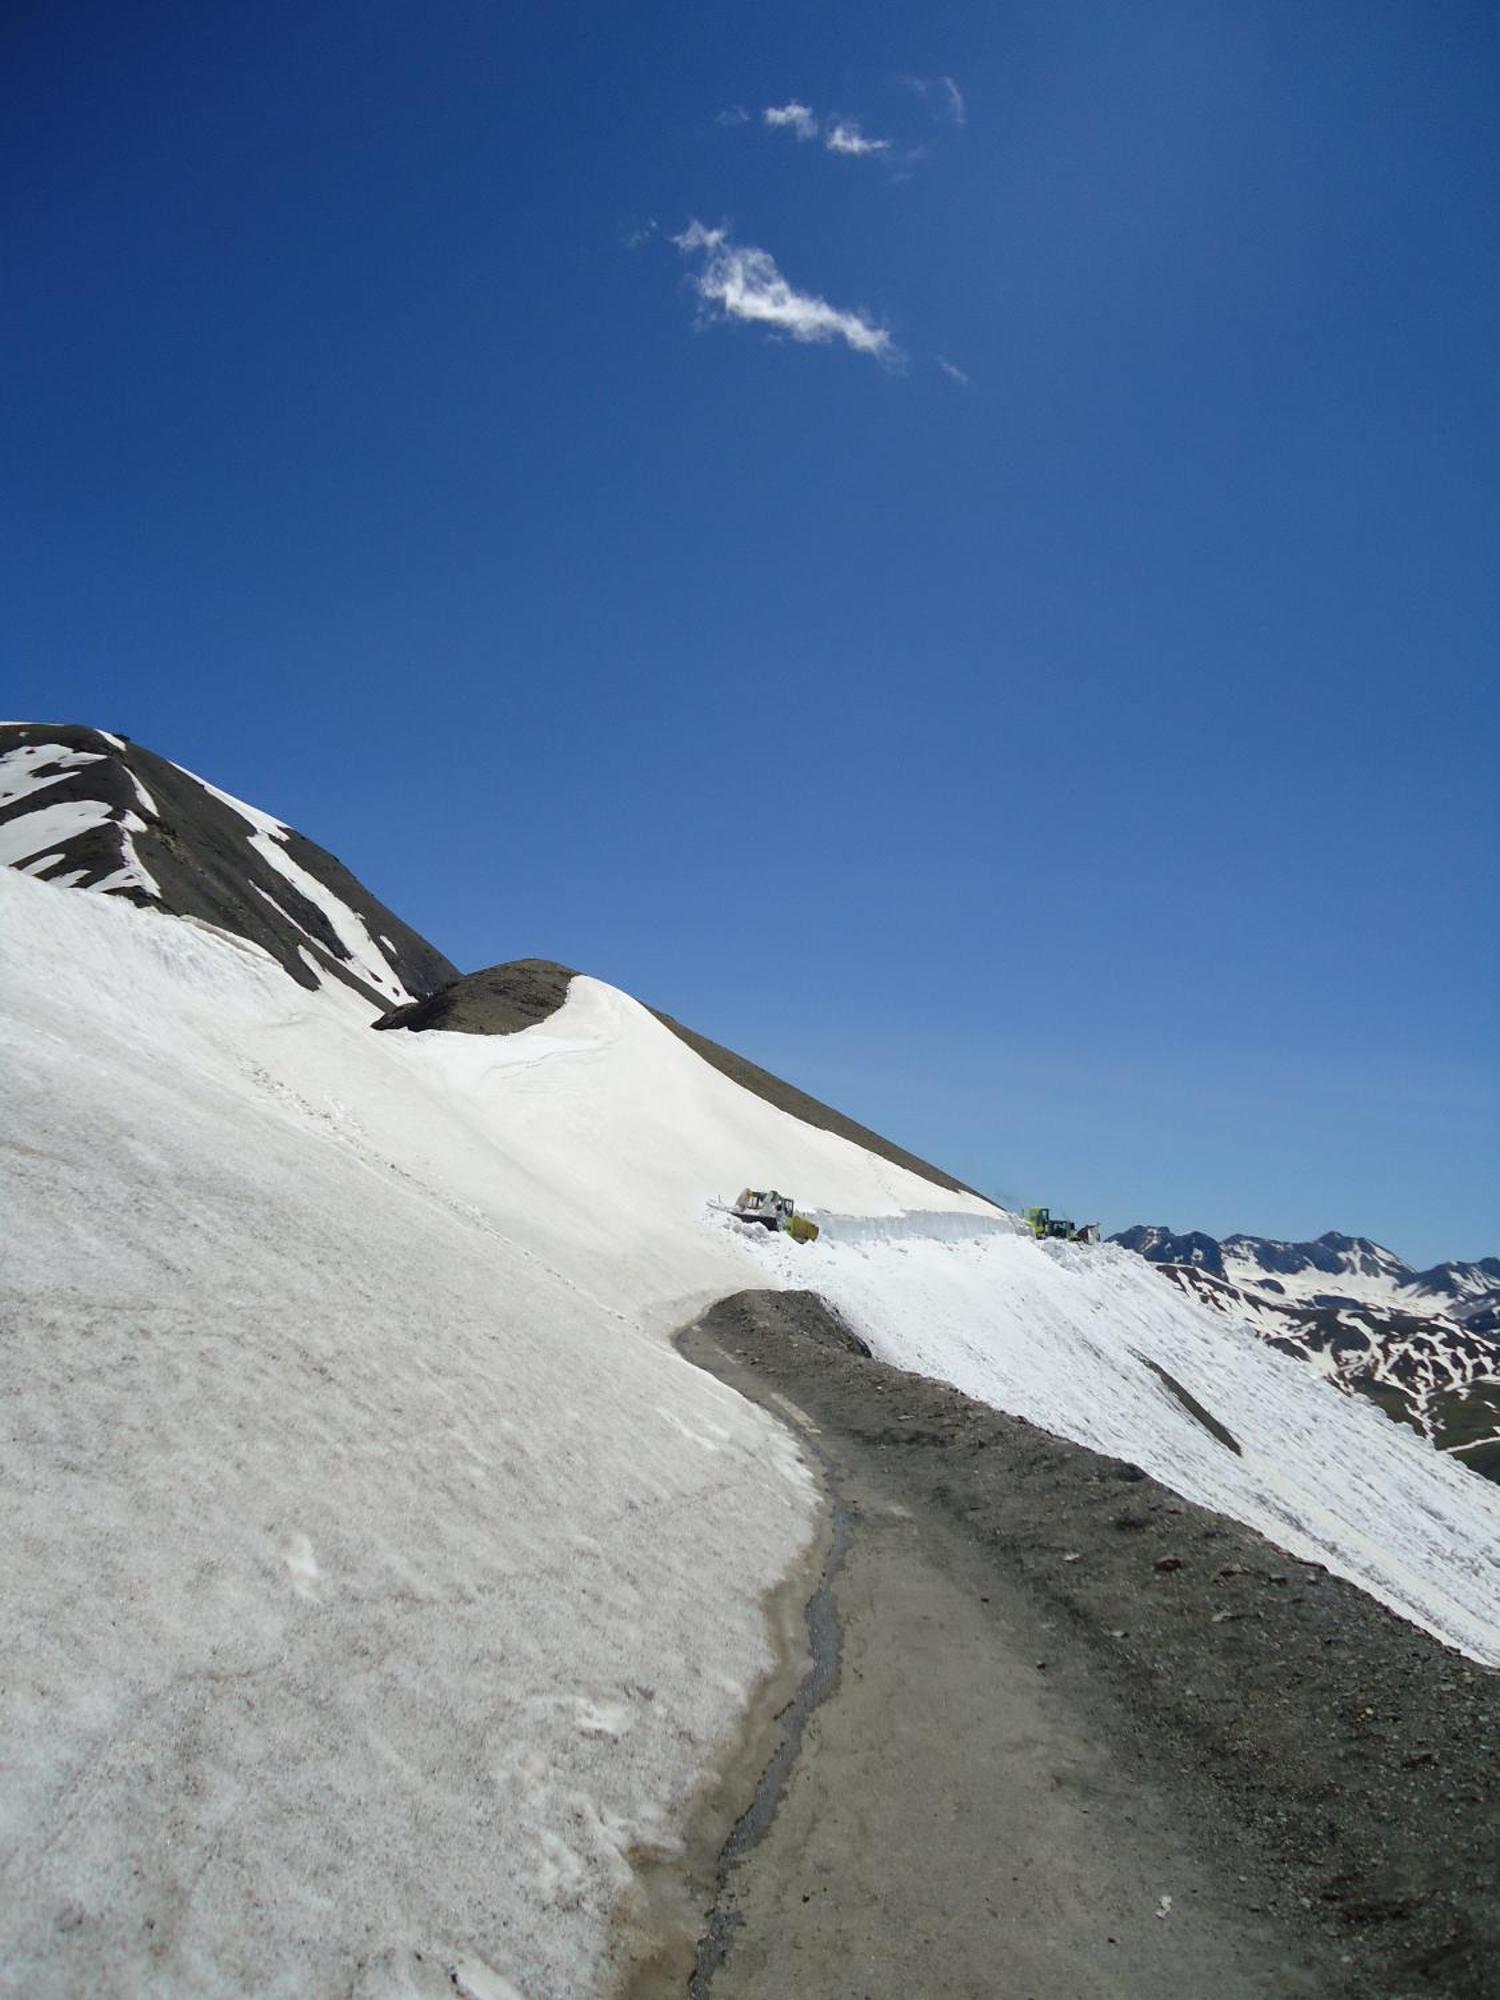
(773, 1211)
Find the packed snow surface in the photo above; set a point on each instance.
(376, 1576)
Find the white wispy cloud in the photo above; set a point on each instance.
(741, 282)
(844, 136)
(953, 372)
(732, 114)
(793, 117)
(840, 135)
(942, 97)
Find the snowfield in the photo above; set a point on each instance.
(377, 1577)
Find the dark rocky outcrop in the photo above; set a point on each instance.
(202, 858)
(501, 1000)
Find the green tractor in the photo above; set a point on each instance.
(1045, 1226)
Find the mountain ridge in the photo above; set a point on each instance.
(90, 809)
(1424, 1346)
(501, 999)
(1267, 1261)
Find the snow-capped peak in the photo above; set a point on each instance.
(1333, 1267)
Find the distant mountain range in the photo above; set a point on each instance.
(1423, 1345)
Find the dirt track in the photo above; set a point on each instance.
(1057, 1694)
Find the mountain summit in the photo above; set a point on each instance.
(1331, 1270)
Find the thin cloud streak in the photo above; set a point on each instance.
(737, 281)
(954, 372)
(942, 97)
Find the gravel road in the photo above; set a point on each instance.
(1069, 1736)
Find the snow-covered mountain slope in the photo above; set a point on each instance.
(1334, 1270)
(1423, 1346)
(376, 1574)
(378, 1579)
(1459, 1288)
(1067, 1335)
(88, 809)
(503, 998)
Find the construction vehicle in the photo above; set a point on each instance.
(1045, 1226)
(773, 1211)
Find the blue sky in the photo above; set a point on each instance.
(1078, 760)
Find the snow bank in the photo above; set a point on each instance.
(1061, 1334)
(921, 1226)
